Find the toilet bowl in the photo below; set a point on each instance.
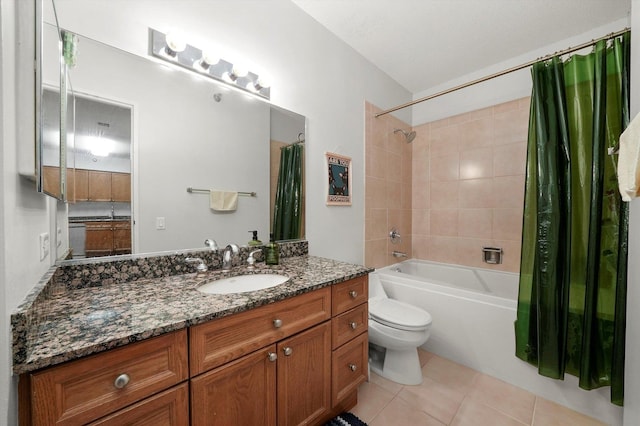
(396, 329)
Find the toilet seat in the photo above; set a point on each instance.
(398, 315)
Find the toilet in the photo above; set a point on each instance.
(396, 329)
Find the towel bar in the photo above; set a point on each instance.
(246, 194)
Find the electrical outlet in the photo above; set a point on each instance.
(44, 245)
(58, 237)
(160, 223)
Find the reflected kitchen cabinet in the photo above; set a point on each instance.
(94, 185)
(99, 186)
(107, 238)
(121, 187)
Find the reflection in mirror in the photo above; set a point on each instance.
(49, 102)
(187, 131)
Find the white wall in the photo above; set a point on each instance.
(498, 90)
(632, 356)
(24, 214)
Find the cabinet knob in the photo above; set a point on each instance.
(121, 381)
(287, 351)
(277, 323)
(272, 356)
(353, 294)
(353, 325)
(353, 367)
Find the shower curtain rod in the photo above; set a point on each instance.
(503, 72)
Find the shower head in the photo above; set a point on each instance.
(409, 136)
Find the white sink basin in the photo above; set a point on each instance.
(243, 283)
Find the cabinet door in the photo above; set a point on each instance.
(242, 392)
(349, 367)
(169, 408)
(99, 186)
(99, 239)
(78, 184)
(121, 187)
(304, 376)
(121, 238)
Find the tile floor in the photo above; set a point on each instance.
(452, 394)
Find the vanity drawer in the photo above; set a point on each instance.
(349, 294)
(349, 365)
(170, 407)
(81, 391)
(348, 325)
(222, 340)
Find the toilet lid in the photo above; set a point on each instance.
(394, 313)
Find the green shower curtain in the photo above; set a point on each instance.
(572, 295)
(287, 212)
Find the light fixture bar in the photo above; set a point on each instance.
(191, 58)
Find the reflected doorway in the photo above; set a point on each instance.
(99, 171)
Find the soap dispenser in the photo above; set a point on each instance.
(272, 252)
(255, 241)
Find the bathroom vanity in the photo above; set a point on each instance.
(292, 354)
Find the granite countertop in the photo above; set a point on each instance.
(79, 322)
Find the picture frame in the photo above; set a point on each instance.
(339, 188)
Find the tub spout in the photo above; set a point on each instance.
(398, 254)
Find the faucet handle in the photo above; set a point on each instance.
(212, 244)
(251, 260)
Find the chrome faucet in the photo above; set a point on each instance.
(202, 267)
(251, 260)
(227, 257)
(211, 244)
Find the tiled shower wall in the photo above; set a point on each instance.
(387, 188)
(467, 175)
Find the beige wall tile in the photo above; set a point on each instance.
(509, 191)
(469, 252)
(476, 133)
(476, 163)
(444, 222)
(394, 167)
(444, 140)
(420, 220)
(510, 160)
(375, 224)
(420, 247)
(443, 249)
(376, 162)
(444, 168)
(375, 253)
(443, 195)
(511, 126)
(475, 223)
(476, 193)
(507, 224)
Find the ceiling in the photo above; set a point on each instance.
(424, 43)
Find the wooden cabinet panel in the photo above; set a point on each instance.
(121, 237)
(107, 238)
(121, 187)
(51, 180)
(219, 341)
(99, 186)
(242, 392)
(348, 325)
(85, 390)
(78, 184)
(169, 408)
(304, 376)
(349, 294)
(349, 367)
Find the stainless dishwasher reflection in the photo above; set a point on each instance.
(77, 238)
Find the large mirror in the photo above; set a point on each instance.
(167, 130)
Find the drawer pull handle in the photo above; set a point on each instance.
(353, 325)
(121, 381)
(277, 323)
(287, 351)
(353, 294)
(272, 356)
(353, 367)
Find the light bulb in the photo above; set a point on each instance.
(205, 62)
(175, 44)
(262, 83)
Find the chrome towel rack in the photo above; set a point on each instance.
(243, 193)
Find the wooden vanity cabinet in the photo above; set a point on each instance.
(90, 388)
(107, 238)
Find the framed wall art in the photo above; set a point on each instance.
(339, 180)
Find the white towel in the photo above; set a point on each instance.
(629, 161)
(223, 201)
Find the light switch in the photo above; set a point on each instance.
(160, 223)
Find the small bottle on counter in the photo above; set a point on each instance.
(272, 252)
(255, 241)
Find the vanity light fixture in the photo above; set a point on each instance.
(171, 48)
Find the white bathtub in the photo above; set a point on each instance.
(473, 311)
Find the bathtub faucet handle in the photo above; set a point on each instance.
(398, 254)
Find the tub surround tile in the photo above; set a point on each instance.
(103, 307)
